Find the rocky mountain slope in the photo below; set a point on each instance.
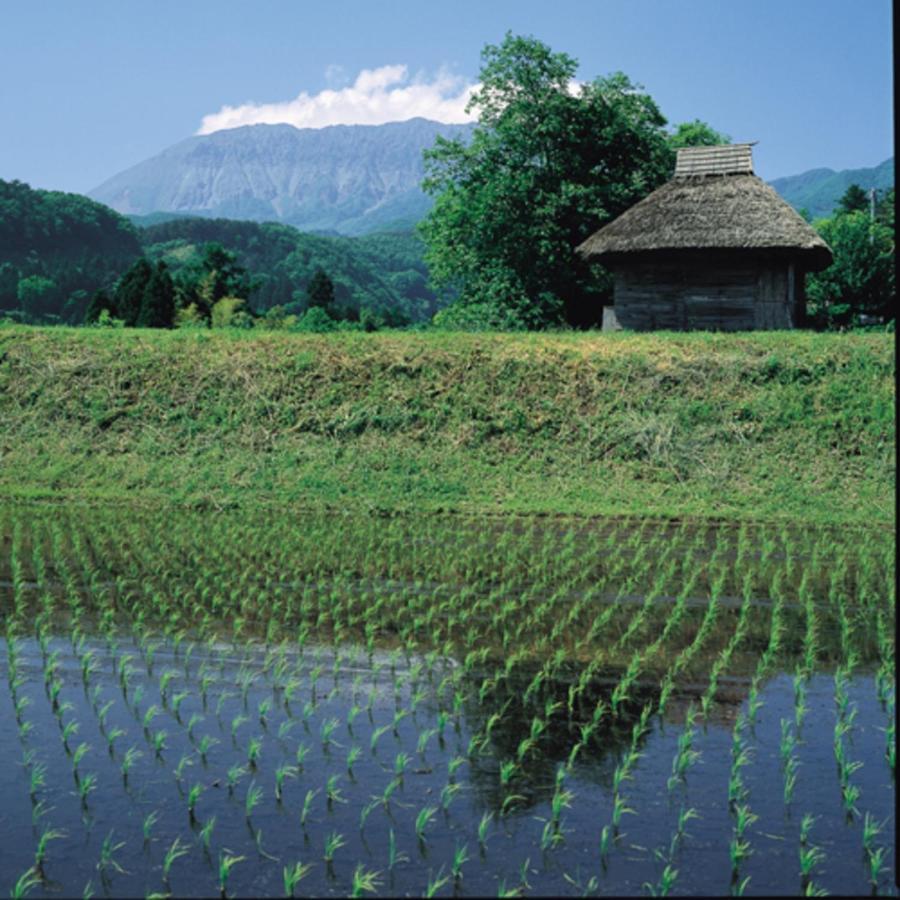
(351, 179)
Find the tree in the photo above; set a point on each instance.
(129, 294)
(320, 291)
(547, 164)
(99, 301)
(884, 208)
(696, 134)
(217, 274)
(861, 280)
(158, 303)
(9, 286)
(855, 199)
(37, 296)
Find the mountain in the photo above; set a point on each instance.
(819, 190)
(350, 179)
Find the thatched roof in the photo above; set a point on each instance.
(711, 212)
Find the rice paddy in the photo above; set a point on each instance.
(246, 703)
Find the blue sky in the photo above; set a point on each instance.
(90, 88)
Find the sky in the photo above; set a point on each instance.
(91, 87)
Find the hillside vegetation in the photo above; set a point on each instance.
(819, 191)
(795, 426)
(57, 249)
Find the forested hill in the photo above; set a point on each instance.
(819, 190)
(57, 249)
(383, 272)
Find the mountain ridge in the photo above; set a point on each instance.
(353, 179)
(819, 190)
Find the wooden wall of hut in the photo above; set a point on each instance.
(725, 295)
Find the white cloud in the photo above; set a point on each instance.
(385, 94)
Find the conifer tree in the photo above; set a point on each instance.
(99, 301)
(158, 303)
(130, 291)
(320, 291)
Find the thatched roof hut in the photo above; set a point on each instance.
(715, 247)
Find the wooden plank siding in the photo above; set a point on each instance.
(682, 297)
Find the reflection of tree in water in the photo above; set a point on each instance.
(508, 716)
(505, 713)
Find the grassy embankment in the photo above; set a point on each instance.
(758, 426)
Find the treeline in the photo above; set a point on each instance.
(859, 288)
(67, 259)
(211, 292)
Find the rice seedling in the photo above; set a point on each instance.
(293, 875)
(39, 810)
(810, 857)
(307, 806)
(147, 824)
(252, 799)
(24, 883)
(193, 796)
(333, 843)
(177, 699)
(40, 853)
(364, 880)
(423, 819)
(284, 729)
(37, 779)
(254, 748)
(236, 723)
(790, 778)
(226, 863)
(376, 735)
(483, 826)
(282, 772)
(69, 730)
(107, 859)
(332, 791)
(876, 864)
(175, 851)
(234, 774)
(86, 785)
(448, 794)
(159, 741)
(206, 831)
(665, 883)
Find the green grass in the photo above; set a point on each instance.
(758, 426)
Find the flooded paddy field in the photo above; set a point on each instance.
(252, 704)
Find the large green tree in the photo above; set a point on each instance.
(548, 163)
(696, 134)
(861, 279)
